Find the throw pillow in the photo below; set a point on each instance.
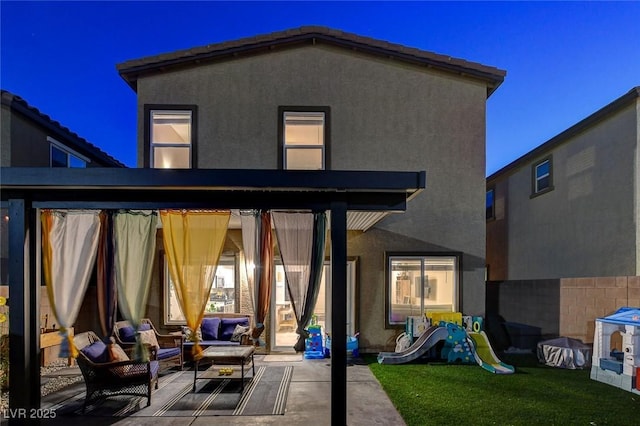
(210, 328)
(116, 353)
(96, 352)
(228, 326)
(238, 332)
(149, 337)
(128, 334)
(186, 332)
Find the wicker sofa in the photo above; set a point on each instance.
(169, 351)
(217, 329)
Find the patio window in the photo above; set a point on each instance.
(417, 283)
(171, 135)
(62, 156)
(542, 177)
(303, 138)
(222, 297)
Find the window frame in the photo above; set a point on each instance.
(327, 132)
(164, 282)
(148, 109)
(535, 191)
(492, 214)
(53, 143)
(389, 256)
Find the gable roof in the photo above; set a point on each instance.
(131, 70)
(66, 136)
(561, 138)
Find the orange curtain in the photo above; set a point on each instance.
(193, 242)
(265, 274)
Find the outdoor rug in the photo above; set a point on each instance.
(265, 394)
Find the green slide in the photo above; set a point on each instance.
(485, 357)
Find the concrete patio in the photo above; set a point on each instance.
(308, 402)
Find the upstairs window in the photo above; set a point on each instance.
(542, 177)
(490, 204)
(304, 138)
(171, 137)
(61, 156)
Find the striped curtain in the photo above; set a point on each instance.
(193, 243)
(135, 246)
(257, 245)
(69, 246)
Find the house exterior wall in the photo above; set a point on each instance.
(27, 141)
(587, 225)
(385, 115)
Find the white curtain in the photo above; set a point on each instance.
(294, 232)
(135, 244)
(69, 244)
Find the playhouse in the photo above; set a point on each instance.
(618, 366)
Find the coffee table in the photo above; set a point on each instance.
(225, 355)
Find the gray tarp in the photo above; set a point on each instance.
(564, 352)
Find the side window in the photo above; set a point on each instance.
(62, 156)
(170, 136)
(542, 177)
(490, 204)
(304, 136)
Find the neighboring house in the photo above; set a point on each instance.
(563, 225)
(317, 98)
(30, 138)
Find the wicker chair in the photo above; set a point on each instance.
(170, 351)
(112, 378)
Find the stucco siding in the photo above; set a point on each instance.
(585, 226)
(30, 147)
(385, 115)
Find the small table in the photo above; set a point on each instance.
(227, 355)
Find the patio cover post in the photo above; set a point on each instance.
(24, 370)
(338, 313)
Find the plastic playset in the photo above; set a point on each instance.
(463, 336)
(618, 367)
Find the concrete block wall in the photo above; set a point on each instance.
(582, 300)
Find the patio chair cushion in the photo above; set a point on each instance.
(165, 353)
(116, 353)
(238, 332)
(128, 333)
(135, 370)
(228, 326)
(210, 328)
(96, 352)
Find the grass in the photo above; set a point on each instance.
(447, 394)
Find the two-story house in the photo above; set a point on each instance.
(321, 99)
(563, 225)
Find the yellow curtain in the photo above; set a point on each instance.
(193, 242)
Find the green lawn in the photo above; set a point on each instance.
(444, 394)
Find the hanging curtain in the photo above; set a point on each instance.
(301, 241)
(193, 242)
(258, 255)
(135, 246)
(106, 285)
(69, 245)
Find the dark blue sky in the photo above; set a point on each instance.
(564, 61)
